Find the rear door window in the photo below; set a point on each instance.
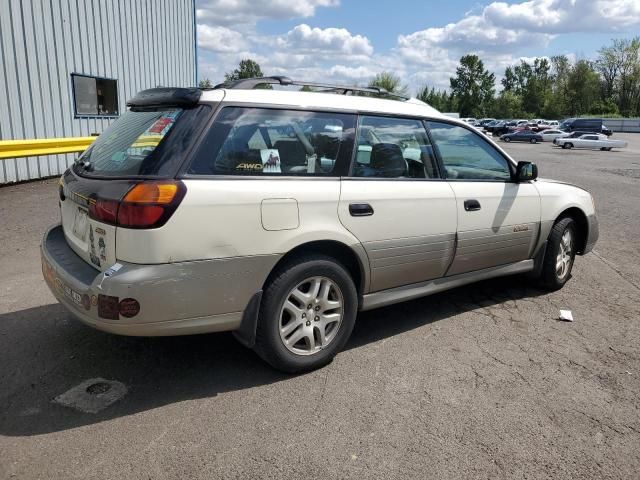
(274, 142)
(393, 148)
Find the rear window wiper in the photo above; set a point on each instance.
(85, 165)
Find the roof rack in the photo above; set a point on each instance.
(251, 83)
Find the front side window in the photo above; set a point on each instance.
(95, 96)
(272, 142)
(467, 156)
(393, 148)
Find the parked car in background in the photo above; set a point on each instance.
(591, 125)
(504, 127)
(491, 125)
(553, 123)
(576, 134)
(590, 140)
(606, 131)
(550, 134)
(522, 136)
(469, 120)
(485, 121)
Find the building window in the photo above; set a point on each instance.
(94, 96)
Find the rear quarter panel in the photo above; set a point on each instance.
(221, 218)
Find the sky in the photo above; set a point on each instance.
(349, 41)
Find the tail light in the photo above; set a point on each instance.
(146, 205)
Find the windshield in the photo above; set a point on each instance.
(566, 123)
(141, 143)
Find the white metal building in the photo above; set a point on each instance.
(67, 67)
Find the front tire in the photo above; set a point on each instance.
(507, 139)
(560, 254)
(307, 314)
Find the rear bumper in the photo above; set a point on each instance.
(175, 299)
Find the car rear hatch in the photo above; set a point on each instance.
(126, 178)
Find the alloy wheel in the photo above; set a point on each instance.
(564, 258)
(311, 315)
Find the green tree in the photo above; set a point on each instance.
(205, 83)
(628, 85)
(390, 82)
(537, 86)
(608, 65)
(438, 99)
(508, 105)
(583, 87)
(560, 70)
(509, 81)
(246, 69)
(473, 87)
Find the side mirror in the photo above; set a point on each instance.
(526, 171)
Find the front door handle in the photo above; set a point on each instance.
(360, 209)
(471, 205)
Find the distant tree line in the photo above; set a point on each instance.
(547, 88)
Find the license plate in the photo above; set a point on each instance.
(80, 223)
(58, 285)
(68, 292)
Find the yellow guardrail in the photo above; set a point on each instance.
(53, 146)
(44, 146)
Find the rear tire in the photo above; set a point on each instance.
(569, 145)
(560, 254)
(507, 139)
(294, 337)
(534, 140)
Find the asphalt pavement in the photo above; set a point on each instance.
(480, 382)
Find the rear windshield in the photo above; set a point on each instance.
(149, 142)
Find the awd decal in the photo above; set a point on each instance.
(249, 166)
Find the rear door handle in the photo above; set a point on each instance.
(360, 209)
(471, 205)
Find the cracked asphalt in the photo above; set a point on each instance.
(479, 382)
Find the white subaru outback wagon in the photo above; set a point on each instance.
(279, 215)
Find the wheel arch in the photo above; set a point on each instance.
(353, 258)
(582, 224)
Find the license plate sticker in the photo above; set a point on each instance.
(81, 223)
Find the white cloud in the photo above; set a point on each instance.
(305, 38)
(565, 16)
(473, 33)
(352, 73)
(236, 12)
(220, 39)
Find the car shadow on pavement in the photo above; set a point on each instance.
(45, 353)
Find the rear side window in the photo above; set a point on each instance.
(273, 142)
(467, 156)
(149, 142)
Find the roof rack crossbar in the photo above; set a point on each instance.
(251, 83)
